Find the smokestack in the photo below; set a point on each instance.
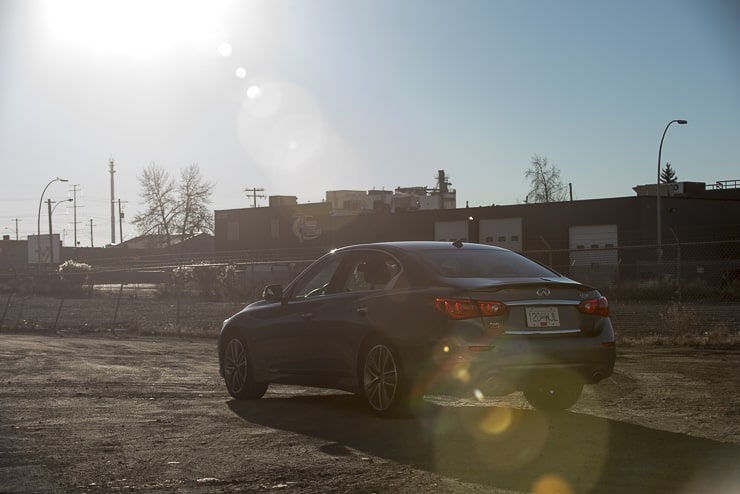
(112, 204)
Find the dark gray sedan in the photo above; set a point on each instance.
(395, 321)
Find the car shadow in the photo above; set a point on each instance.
(509, 448)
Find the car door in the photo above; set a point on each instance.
(285, 340)
(339, 326)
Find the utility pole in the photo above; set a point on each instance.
(74, 209)
(253, 194)
(16, 227)
(51, 240)
(112, 203)
(120, 218)
(91, 233)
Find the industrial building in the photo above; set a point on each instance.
(586, 238)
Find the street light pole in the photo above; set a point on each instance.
(38, 229)
(51, 236)
(657, 188)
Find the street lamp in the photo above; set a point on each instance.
(38, 230)
(657, 186)
(51, 212)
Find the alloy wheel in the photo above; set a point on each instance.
(235, 365)
(380, 378)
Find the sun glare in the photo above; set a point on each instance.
(224, 49)
(132, 27)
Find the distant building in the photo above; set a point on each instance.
(418, 198)
(722, 189)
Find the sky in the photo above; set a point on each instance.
(298, 97)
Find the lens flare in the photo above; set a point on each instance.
(497, 421)
(461, 372)
(253, 92)
(552, 484)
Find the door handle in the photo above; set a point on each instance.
(362, 311)
(307, 315)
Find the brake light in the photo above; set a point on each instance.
(598, 306)
(465, 308)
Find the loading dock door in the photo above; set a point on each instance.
(594, 256)
(451, 230)
(504, 232)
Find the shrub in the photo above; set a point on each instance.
(72, 276)
(679, 318)
(211, 281)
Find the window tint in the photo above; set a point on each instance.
(317, 280)
(478, 263)
(371, 271)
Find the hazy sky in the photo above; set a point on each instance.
(301, 97)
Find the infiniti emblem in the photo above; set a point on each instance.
(543, 292)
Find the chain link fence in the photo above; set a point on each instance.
(691, 272)
(683, 292)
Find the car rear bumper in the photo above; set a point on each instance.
(508, 363)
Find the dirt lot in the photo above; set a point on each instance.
(107, 414)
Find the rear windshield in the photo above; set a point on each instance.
(472, 263)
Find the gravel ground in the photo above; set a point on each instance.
(105, 414)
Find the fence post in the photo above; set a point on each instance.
(59, 311)
(178, 289)
(5, 311)
(20, 312)
(118, 304)
(549, 251)
(679, 281)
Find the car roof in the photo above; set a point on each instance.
(418, 245)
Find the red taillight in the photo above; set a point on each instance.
(598, 306)
(465, 309)
(491, 308)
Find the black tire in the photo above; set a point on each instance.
(238, 371)
(552, 395)
(383, 385)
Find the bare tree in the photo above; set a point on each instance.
(158, 192)
(545, 182)
(173, 208)
(195, 196)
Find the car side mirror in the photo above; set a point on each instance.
(273, 293)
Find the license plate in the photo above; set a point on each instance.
(542, 317)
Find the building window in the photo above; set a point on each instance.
(502, 238)
(515, 238)
(489, 240)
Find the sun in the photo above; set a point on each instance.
(133, 27)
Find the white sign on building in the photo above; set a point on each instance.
(41, 251)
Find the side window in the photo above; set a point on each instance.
(371, 271)
(316, 281)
